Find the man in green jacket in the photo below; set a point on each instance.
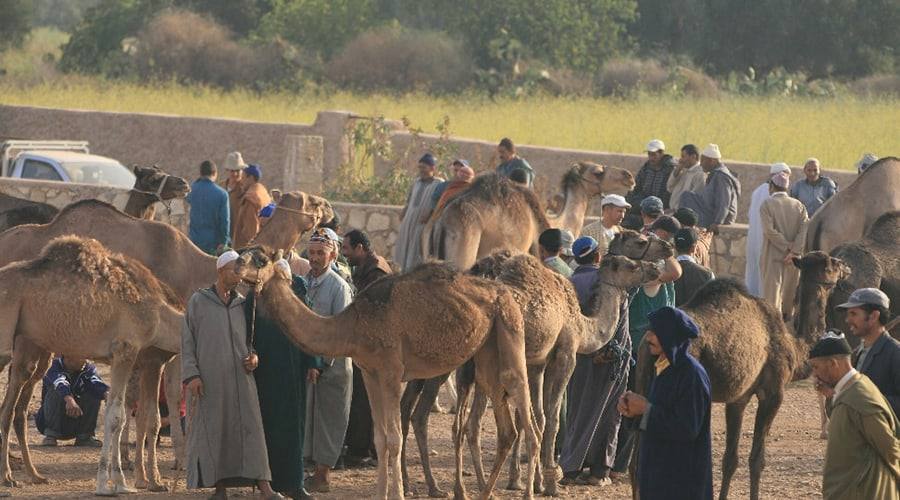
(862, 459)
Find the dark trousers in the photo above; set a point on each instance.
(360, 439)
(52, 420)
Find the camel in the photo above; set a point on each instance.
(849, 214)
(471, 317)
(747, 351)
(874, 263)
(151, 185)
(496, 214)
(120, 308)
(168, 253)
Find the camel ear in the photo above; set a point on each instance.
(276, 196)
(136, 169)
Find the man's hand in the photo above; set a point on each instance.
(789, 258)
(251, 362)
(632, 405)
(195, 387)
(72, 408)
(312, 376)
(824, 389)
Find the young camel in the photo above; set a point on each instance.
(549, 305)
(120, 308)
(474, 317)
(171, 256)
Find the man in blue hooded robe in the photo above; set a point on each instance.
(676, 453)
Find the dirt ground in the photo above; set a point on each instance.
(793, 470)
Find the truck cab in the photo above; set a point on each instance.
(61, 161)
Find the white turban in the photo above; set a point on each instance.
(283, 266)
(777, 168)
(226, 258)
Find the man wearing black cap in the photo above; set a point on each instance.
(665, 227)
(693, 275)
(550, 244)
(878, 355)
(862, 459)
(676, 446)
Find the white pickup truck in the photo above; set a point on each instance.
(62, 161)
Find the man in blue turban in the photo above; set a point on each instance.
(676, 453)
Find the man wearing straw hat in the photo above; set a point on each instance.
(234, 165)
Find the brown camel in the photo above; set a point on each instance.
(172, 257)
(120, 308)
(848, 215)
(497, 214)
(874, 263)
(747, 351)
(151, 185)
(470, 316)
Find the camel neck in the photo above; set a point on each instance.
(575, 206)
(314, 334)
(140, 205)
(600, 327)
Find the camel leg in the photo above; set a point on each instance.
(24, 362)
(20, 423)
(127, 464)
(420, 416)
(174, 396)
(390, 391)
(375, 404)
(148, 430)
(407, 402)
(823, 416)
(506, 434)
(765, 415)
(464, 388)
(734, 418)
(473, 433)
(559, 370)
(110, 464)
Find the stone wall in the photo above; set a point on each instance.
(381, 222)
(178, 144)
(551, 163)
(60, 194)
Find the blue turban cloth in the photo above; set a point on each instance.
(674, 329)
(428, 159)
(268, 210)
(254, 170)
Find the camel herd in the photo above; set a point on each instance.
(98, 283)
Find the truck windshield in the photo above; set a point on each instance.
(111, 174)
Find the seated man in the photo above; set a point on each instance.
(70, 402)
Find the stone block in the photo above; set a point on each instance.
(378, 222)
(720, 246)
(357, 219)
(304, 163)
(739, 247)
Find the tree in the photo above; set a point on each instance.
(15, 22)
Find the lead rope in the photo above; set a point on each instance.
(257, 291)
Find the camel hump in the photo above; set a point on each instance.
(380, 291)
(498, 190)
(77, 208)
(717, 293)
(491, 265)
(886, 228)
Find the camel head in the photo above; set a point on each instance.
(626, 273)
(598, 179)
(635, 245)
(154, 181)
(491, 265)
(301, 212)
(819, 268)
(256, 265)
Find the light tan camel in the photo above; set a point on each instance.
(497, 214)
(120, 308)
(848, 215)
(172, 257)
(457, 317)
(747, 351)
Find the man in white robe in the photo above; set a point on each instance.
(752, 275)
(408, 249)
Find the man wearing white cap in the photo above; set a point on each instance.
(612, 212)
(225, 442)
(716, 204)
(752, 276)
(654, 174)
(687, 176)
(783, 222)
(865, 162)
(816, 189)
